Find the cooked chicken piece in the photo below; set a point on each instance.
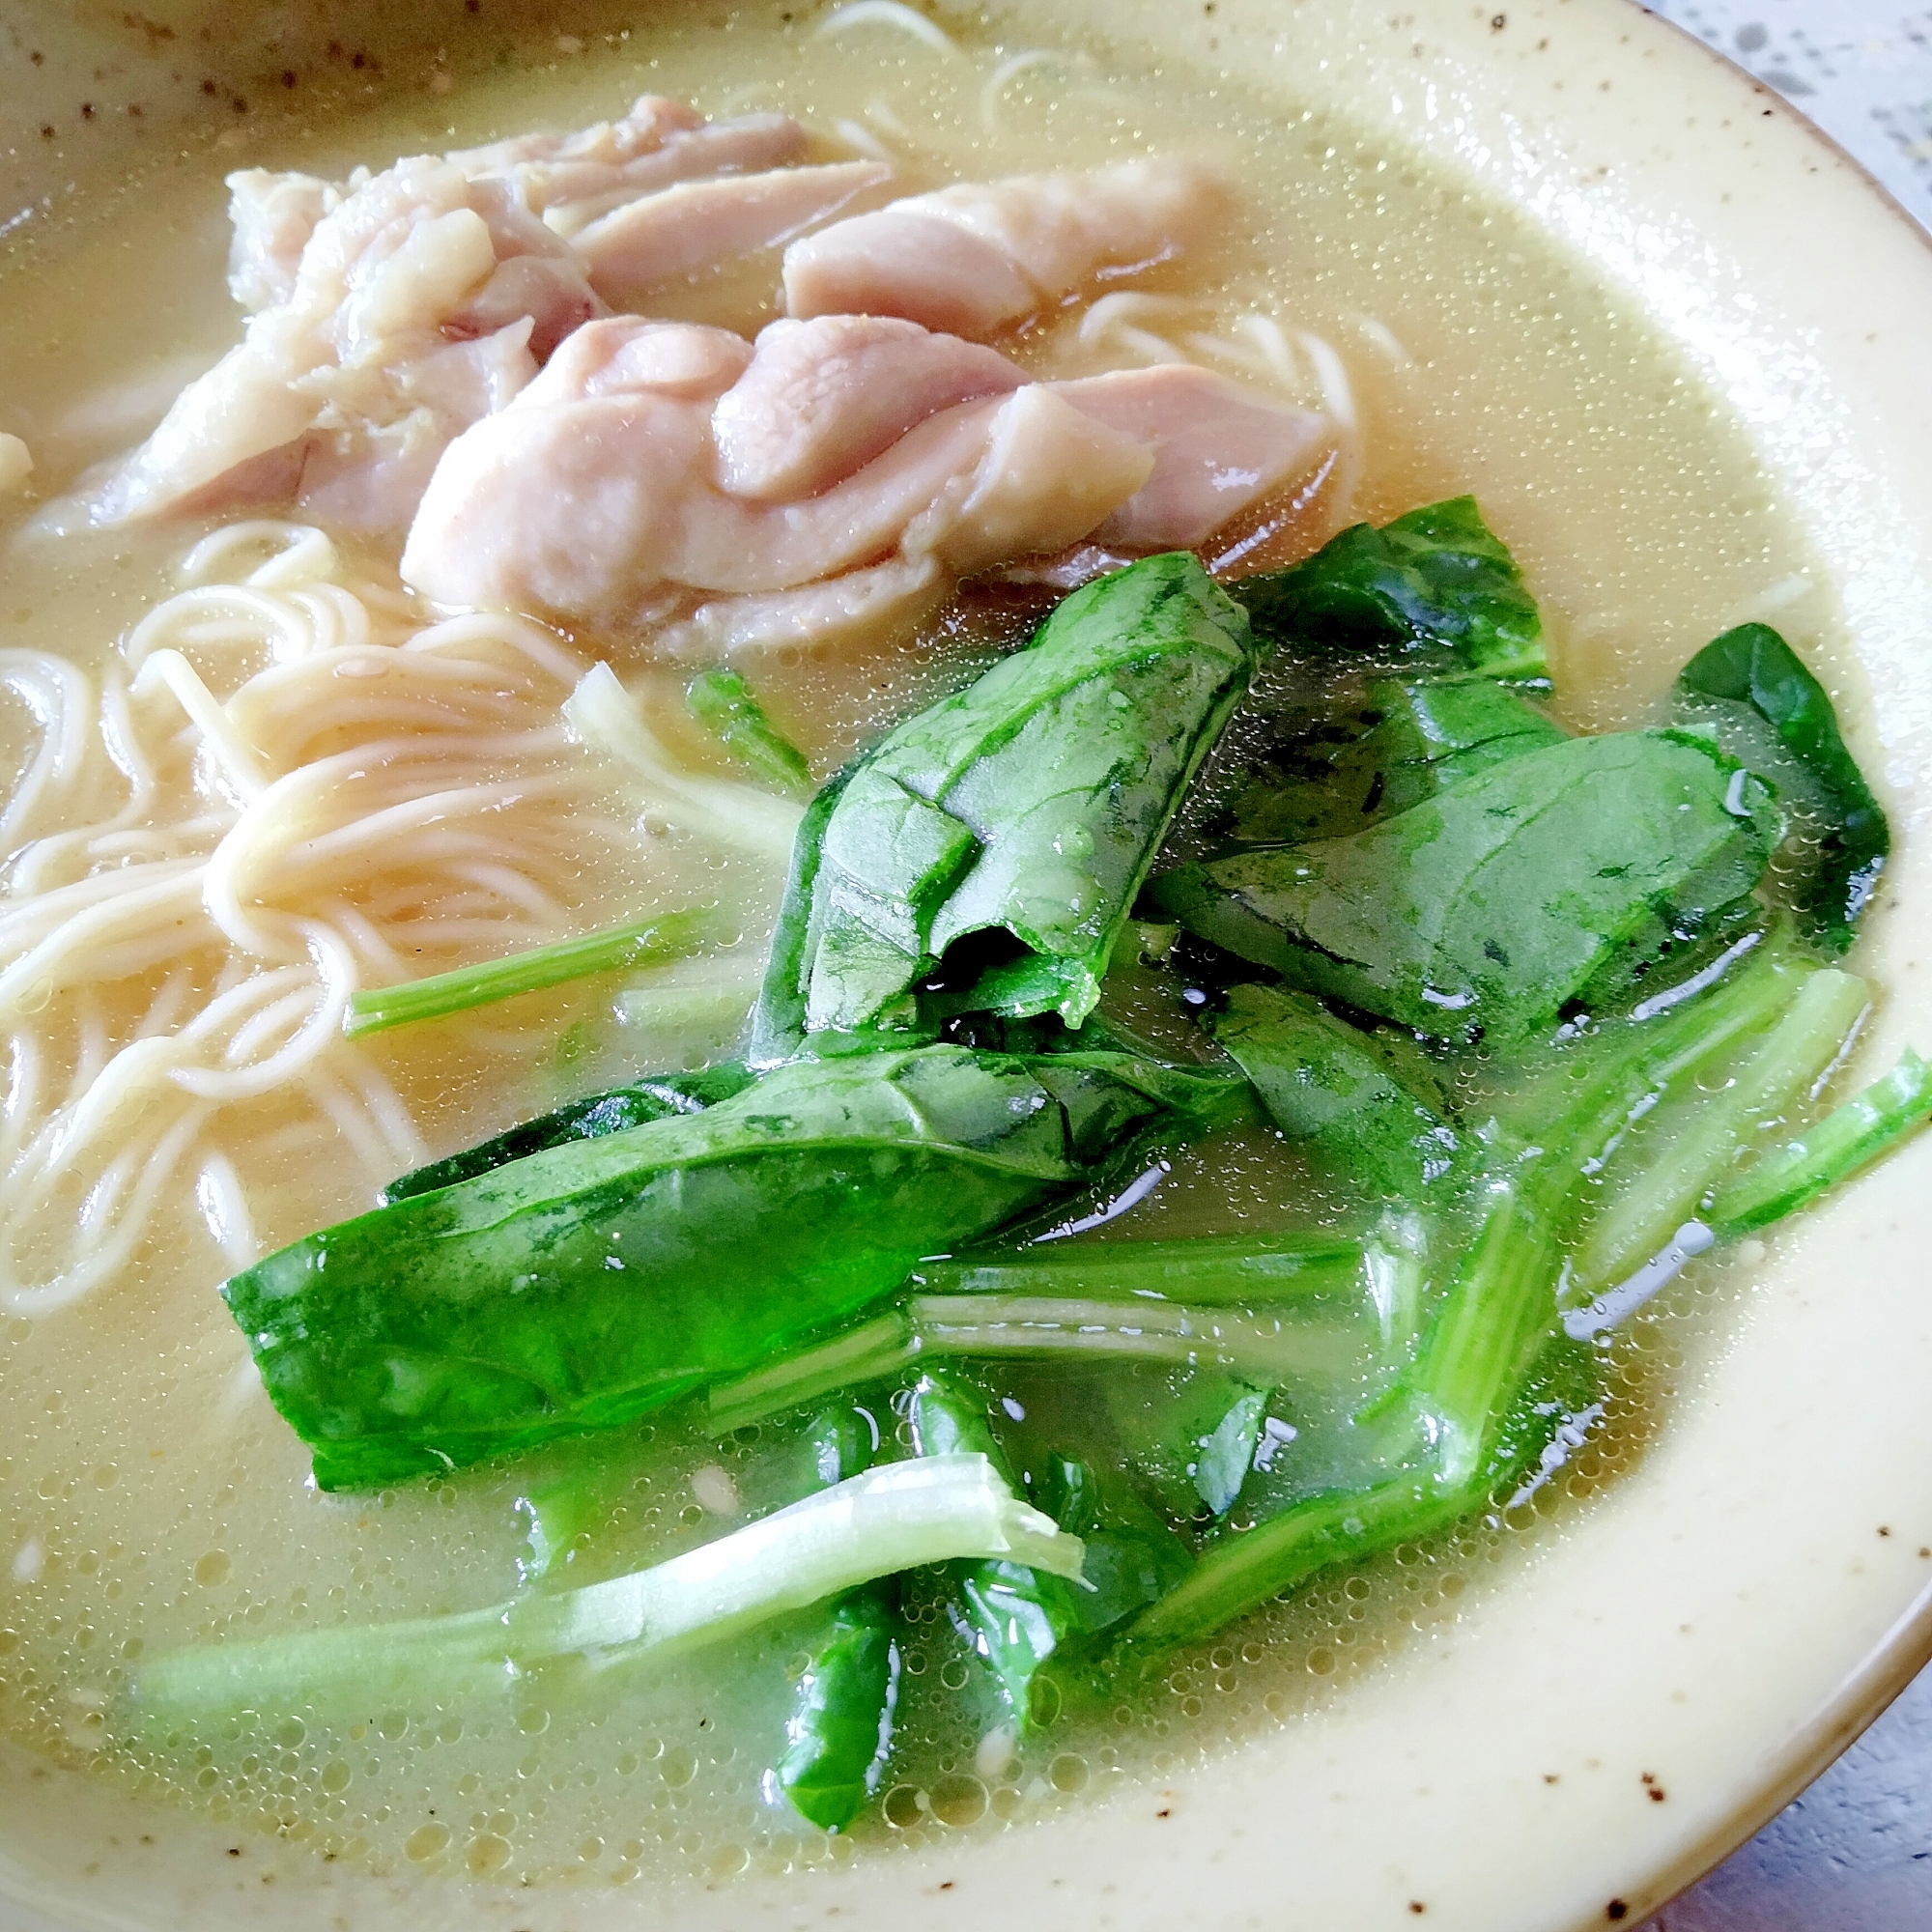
(272, 216)
(420, 301)
(976, 257)
(846, 475)
(391, 311)
(592, 497)
(1219, 447)
(573, 179)
(823, 397)
(695, 224)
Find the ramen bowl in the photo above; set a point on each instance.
(1609, 1702)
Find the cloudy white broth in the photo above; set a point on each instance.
(268, 768)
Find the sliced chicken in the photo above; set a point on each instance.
(1219, 449)
(822, 398)
(695, 224)
(846, 475)
(977, 257)
(419, 301)
(571, 180)
(590, 498)
(392, 311)
(273, 215)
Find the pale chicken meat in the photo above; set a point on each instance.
(390, 312)
(821, 398)
(573, 179)
(979, 256)
(591, 498)
(420, 303)
(698, 224)
(849, 471)
(1220, 448)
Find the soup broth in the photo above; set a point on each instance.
(149, 1496)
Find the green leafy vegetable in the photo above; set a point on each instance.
(1437, 578)
(657, 1099)
(1227, 1451)
(1558, 876)
(1020, 815)
(583, 1285)
(1693, 1148)
(1276, 1309)
(644, 942)
(841, 1727)
(1867, 1128)
(1446, 1423)
(1015, 1614)
(1408, 741)
(1210, 1271)
(900, 1516)
(1131, 1558)
(723, 701)
(1769, 712)
(1369, 1103)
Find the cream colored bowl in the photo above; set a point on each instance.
(1689, 1648)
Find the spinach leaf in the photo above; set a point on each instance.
(723, 701)
(1228, 1450)
(1132, 1557)
(656, 1098)
(1409, 739)
(583, 1285)
(1749, 688)
(1013, 1615)
(1437, 580)
(1010, 825)
(1560, 875)
(840, 1728)
(1369, 1103)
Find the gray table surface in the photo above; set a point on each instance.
(1855, 1853)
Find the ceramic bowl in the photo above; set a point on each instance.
(1696, 1644)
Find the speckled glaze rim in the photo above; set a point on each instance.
(1691, 1647)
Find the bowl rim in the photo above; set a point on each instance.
(1880, 1663)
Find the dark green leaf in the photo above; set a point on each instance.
(1015, 1617)
(1560, 875)
(842, 1725)
(609, 1113)
(1369, 1103)
(579, 1287)
(984, 856)
(722, 700)
(1407, 742)
(1227, 1451)
(1435, 579)
(1770, 713)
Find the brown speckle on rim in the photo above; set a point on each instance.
(1885, 1529)
(946, 1885)
(234, 1851)
(1416, 1905)
(1616, 1909)
(1163, 1813)
(1497, 22)
(1552, 1777)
